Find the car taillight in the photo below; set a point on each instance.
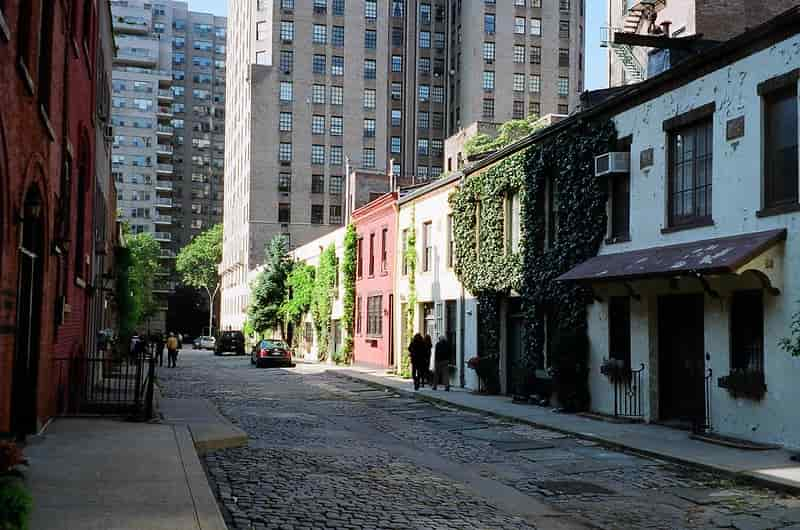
(262, 353)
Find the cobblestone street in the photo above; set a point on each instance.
(328, 452)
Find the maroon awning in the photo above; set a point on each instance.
(710, 256)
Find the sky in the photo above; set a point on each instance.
(596, 58)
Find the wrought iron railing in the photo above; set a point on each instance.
(702, 421)
(628, 394)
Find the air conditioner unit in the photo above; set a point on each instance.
(109, 134)
(613, 162)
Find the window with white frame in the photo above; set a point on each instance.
(395, 145)
(370, 9)
(536, 27)
(488, 51)
(285, 122)
(375, 316)
(519, 25)
(286, 91)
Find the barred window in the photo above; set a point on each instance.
(423, 120)
(337, 95)
(336, 185)
(563, 86)
(519, 82)
(319, 64)
(535, 83)
(488, 51)
(285, 182)
(370, 39)
(285, 122)
(368, 158)
(337, 125)
(287, 30)
(519, 53)
(370, 68)
(337, 65)
(285, 152)
(317, 124)
(337, 36)
(320, 34)
(317, 154)
(369, 98)
(336, 155)
(369, 128)
(318, 94)
(424, 39)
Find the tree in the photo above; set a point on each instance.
(268, 291)
(300, 285)
(198, 264)
(144, 254)
(349, 283)
(322, 305)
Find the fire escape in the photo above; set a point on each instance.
(634, 12)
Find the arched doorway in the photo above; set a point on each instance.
(24, 384)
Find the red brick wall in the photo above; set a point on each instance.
(724, 19)
(32, 151)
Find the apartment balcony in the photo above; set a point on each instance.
(165, 95)
(164, 111)
(142, 58)
(164, 149)
(164, 185)
(165, 131)
(130, 26)
(162, 236)
(163, 202)
(162, 219)
(165, 169)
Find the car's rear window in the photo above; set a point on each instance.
(273, 344)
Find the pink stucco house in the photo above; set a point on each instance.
(376, 226)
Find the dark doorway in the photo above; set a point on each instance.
(24, 384)
(515, 371)
(391, 331)
(680, 359)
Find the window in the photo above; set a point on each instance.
(397, 63)
(395, 145)
(690, 150)
(488, 23)
(375, 316)
(404, 257)
(422, 146)
(317, 183)
(519, 53)
(488, 80)
(261, 32)
(285, 122)
(536, 54)
(320, 6)
(287, 31)
(369, 68)
(424, 13)
(284, 182)
(422, 173)
(424, 93)
(563, 109)
(285, 4)
(337, 95)
(317, 154)
(488, 108)
(370, 39)
(563, 86)
(437, 94)
(369, 98)
(317, 214)
(563, 57)
(438, 40)
(336, 155)
(427, 247)
(488, 51)
(284, 212)
(747, 331)
(319, 63)
(519, 82)
(519, 25)
(397, 37)
(285, 152)
(337, 36)
(563, 29)
(338, 8)
(397, 91)
(397, 117)
(536, 27)
(368, 158)
(534, 83)
(369, 128)
(437, 147)
(423, 120)
(424, 39)
(384, 250)
(263, 58)
(337, 65)
(336, 185)
(337, 125)
(519, 3)
(318, 94)
(451, 242)
(358, 316)
(286, 91)
(780, 147)
(518, 110)
(563, 5)
(438, 120)
(372, 254)
(317, 124)
(620, 206)
(319, 34)
(619, 329)
(424, 65)
(360, 257)
(371, 9)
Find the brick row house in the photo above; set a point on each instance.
(51, 83)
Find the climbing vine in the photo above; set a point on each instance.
(349, 283)
(410, 258)
(322, 303)
(563, 163)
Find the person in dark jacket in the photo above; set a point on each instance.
(442, 364)
(426, 361)
(416, 352)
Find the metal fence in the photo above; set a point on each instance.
(106, 384)
(628, 394)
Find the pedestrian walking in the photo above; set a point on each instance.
(442, 364)
(172, 351)
(426, 361)
(416, 351)
(159, 353)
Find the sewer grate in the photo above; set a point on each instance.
(572, 487)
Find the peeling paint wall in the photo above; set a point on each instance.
(736, 197)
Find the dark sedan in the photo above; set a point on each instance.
(271, 352)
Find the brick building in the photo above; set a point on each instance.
(47, 164)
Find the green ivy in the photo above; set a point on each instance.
(322, 303)
(349, 302)
(410, 258)
(489, 272)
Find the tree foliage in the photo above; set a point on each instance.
(198, 264)
(144, 255)
(300, 285)
(322, 304)
(268, 291)
(410, 258)
(349, 284)
(508, 133)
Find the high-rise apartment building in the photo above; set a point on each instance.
(320, 88)
(713, 20)
(168, 119)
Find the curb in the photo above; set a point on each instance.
(752, 477)
(205, 504)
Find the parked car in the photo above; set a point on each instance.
(230, 341)
(207, 343)
(196, 342)
(273, 351)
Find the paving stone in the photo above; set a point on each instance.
(704, 496)
(522, 445)
(492, 435)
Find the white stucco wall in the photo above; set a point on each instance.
(440, 283)
(736, 197)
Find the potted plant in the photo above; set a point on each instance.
(615, 370)
(15, 500)
(749, 384)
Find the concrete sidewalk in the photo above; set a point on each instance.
(98, 474)
(210, 430)
(772, 467)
